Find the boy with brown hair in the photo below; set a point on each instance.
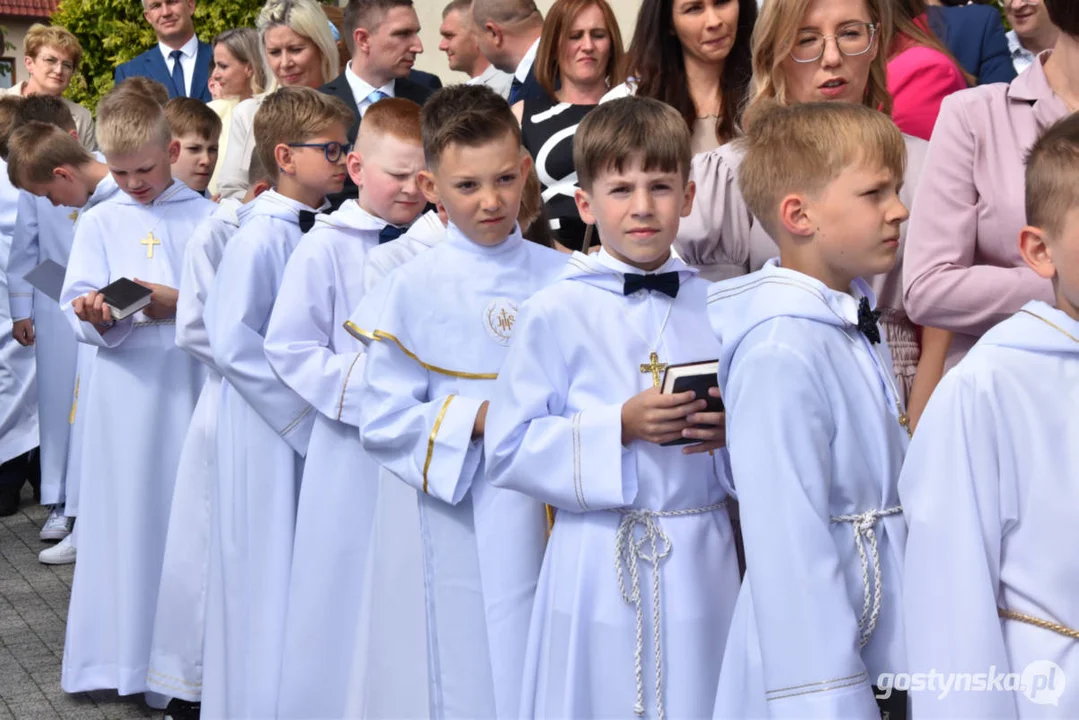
(145, 87)
(815, 425)
(445, 322)
(263, 425)
(198, 129)
(989, 485)
(139, 399)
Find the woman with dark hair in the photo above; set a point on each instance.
(694, 55)
(578, 59)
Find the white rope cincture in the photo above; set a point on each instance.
(629, 550)
(863, 525)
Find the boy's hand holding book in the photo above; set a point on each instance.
(93, 309)
(657, 418)
(162, 302)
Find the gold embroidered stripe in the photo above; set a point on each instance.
(550, 518)
(74, 402)
(344, 386)
(380, 335)
(1038, 622)
(431, 440)
(358, 332)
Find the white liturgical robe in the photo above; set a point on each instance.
(176, 656)
(263, 431)
(816, 443)
(443, 332)
(989, 490)
(554, 431)
(132, 436)
(312, 352)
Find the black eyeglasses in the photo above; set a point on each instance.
(332, 150)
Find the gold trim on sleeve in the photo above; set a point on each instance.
(344, 386)
(1038, 622)
(431, 440)
(380, 335)
(358, 332)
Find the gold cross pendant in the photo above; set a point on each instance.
(653, 366)
(73, 216)
(150, 242)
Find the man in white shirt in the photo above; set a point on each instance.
(463, 51)
(508, 33)
(180, 61)
(1032, 31)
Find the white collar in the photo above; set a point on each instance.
(190, 48)
(612, 263)
(527, 61)
(1015, 47)
(361, 89)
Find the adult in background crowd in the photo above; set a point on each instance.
(180, 62)
(300, 52)
(965, 273)
(385, 41)
(695, 56)
(579, 58)
(463, 51)
(974, 34)
(1033, 31)
(508, 33)
(239, 74)
(52, 56)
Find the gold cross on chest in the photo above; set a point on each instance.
(73, 216)
(150, 241)
(653, 366)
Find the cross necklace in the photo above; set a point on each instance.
(150, 241)
(654, 366)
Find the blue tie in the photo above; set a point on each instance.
(178, 73)
(375, 96)
(390, 232)
(515, 91)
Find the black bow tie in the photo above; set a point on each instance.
(390, 232)
(867, 321)
(666, 283)
(307, 220)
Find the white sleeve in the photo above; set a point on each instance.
(88, 271)
(201, 256)
(25, 256)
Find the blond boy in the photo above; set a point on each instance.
(198, 129)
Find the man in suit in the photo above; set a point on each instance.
(975, 35)
(179, 62)
(508, 33)
(428, 80)
(384, 37)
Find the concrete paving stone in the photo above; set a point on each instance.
(38, 709)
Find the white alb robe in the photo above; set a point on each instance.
(554, 432)
(990, 489)
(312, 352)
(814, 436)
(263, 432)
(139, 402)
(443, 331)
(179, 626)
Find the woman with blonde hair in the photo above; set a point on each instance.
(52, 56)
(299, 50)
(236, 74)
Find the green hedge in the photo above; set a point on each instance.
(114, 31)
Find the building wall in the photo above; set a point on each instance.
(430, 12)
(15, 31)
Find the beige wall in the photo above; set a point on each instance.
(430, 12)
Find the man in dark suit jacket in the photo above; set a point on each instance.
(975, 35)
(385, 40)
(426, 79)
(179, 62)
(508, 33)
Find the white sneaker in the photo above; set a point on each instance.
(57, 526)
(62, 553)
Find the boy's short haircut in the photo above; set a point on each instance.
(394, 116)
(144, 86)
(45, 108)
(9, 104)
(295, 115)
(37, 148)
(802, 148)
(256, 171)
(188, 116)
(127, 122)
(1053, 176)
(628, 129)
(470, 115)
(39, 37)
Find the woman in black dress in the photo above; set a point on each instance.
(579, 58)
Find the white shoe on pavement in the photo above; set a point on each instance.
(62, 553)
(57, 526)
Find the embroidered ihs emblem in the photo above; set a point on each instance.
(499, 317)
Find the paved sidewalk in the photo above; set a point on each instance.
(33, 609)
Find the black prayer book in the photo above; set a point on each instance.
(695, 376)
(125, 297)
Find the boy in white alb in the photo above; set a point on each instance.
(815, 427)
(141, 395)
(312, 352)
(991, 483)
(445, 323)
(263, 425)
(577, 421)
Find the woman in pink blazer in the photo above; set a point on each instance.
(964, 273)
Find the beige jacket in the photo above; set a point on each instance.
(84, 121)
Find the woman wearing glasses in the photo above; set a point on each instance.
(52, 56)
(965, 273)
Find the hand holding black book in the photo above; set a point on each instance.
(699, 377)
(125, 297)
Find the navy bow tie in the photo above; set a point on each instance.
(666, 283)
(307, 220)
(867, 321)
(390, 232)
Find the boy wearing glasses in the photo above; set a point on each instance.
(263, 425)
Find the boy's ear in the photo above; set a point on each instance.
(73, 133)
(793, 215)
(526, 163)
(260, 187)
(426, 181)
(690, 195)
(62, 173)
(584, 206)
(354, 164)
(282, 155)
(174, 151)
(1036, 252)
